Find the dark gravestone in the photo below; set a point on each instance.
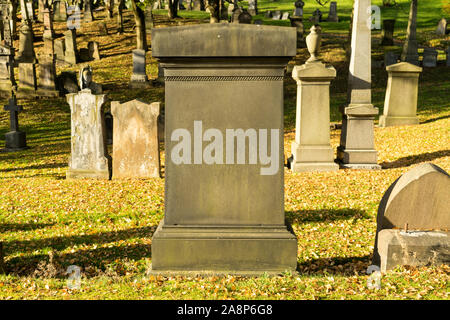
(387, 32)
(298, 11)
(67, 82)
(15, 140)
(333, 15)
(429, 58)
(276, 15)
(245, 17)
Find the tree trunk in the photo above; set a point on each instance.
(14, 7)
(173, 9)
(139, 17)
(120, 6)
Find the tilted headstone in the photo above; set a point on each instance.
(218, 92)
(413, 220)
(400, 104)
(332, 14)
(88, 158)
(26, 47)
(285, 16)
(27, 79)
(15, 140)
(7, 80)
(311, 150)
(387, 33)
(276, 15)
(298, 11)
(94, 51)
(441, 29)
(60, 48)
(136, 145)
(357, 145)
(410, 47)
(430, 57)
(253, 7)
(71, 51)
(390, 57)
(139, 77)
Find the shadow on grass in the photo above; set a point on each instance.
(414, 159)
(99, 257)
(40, 166)
(305, 216)
(5, 227)
(337, 266)
(435, 119)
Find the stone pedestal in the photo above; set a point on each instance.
(136, 146)
(27, 80)
(311, 150)
(400, 105)
(139, 77)
(88, 157)
(357, 146)
(224, 202)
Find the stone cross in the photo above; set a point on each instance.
(14, 110)
(357, 146)
(410, 47)
(298, 12)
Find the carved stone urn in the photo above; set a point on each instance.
(313, 41)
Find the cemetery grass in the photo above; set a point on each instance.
(48, 223)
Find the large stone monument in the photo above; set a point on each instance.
(410, 47)
(413, 220)
(136, 145)
(7, 79)
(6, 17)
(139, 77)
(89, 158)
(27, 80)
(311, 150)
(400, 104)
(26, 46)
(357, 145)
(15, 140)
(224, 212)
(71, 51)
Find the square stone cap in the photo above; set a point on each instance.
(314, 70)
(224, 40)
(403, 67)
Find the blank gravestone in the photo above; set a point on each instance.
(224, 209)
(429, 58)
(419, 203)
(136, 146)
(441, 29)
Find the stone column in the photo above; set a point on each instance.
(312, 150)
(400, 105)
(357, 146)
(410, 48)
(88, 157)
(136, 146)
(224, 212)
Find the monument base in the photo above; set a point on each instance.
(73, 174)
(15, 141)
(239, 250)
(26, 93)
(357, 159)
(387, 121)
(312, 158)
(413, 248)
(139, 81)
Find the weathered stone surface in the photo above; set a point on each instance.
(47, 76)
(441, 29)
(429, 58)
(297, 22)
(400, 104)
(276, 15)
(416, 248)
(357, 145)
(67, 82)
(7, 79)
(149, 24)
(59, 49)
(71, 51)
(387, 33)
(139, 77)
(136, 145)
(89, 158)
(94, 51)
(285, 16)
(332, 14)
(27, 79)
(59, 11)
(253, 7)
(410, 47)
(26, 47)
(419, 199)
(49, 32)
(316, 16)
(224, 217)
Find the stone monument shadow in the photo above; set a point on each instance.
(414, 159)
(305, 216)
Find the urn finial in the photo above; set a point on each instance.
(313, 41)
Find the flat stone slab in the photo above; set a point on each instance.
(415, 248)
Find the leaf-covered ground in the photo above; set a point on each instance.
(105, 227)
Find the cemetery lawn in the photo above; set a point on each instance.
(48, 223)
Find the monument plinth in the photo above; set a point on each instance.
(224, 196)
